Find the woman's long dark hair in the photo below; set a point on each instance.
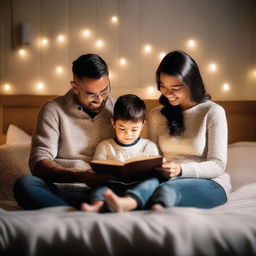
(184, 68)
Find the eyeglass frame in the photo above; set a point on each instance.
(92, 96)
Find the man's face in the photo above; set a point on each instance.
(92, 93)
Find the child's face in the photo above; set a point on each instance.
(127, 131)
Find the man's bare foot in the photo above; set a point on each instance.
(94, 207)
(156, 207)
(119, 204)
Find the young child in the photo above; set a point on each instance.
(128, 121)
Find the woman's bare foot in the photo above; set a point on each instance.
(156, 207)
(119, 204)
(94, 207)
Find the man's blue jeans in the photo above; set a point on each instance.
(34, 193)
(189, 192)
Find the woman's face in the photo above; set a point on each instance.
(175, 91)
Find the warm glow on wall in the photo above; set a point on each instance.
(191, 43)
(162, 55)
(59, 70)
(226, 87)
(99, 43)
(148, 48)
(114, 19)
(86, 33)
(61, 38)
(213, 67)
(150, 89)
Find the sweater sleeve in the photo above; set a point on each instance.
(101, 151)
(216, 157)
(45, 139)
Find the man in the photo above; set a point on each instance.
(68, 130)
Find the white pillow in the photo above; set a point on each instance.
(241, 163)
(16, 135)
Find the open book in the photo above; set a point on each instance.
(131, 169)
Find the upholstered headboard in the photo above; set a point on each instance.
(21, 110)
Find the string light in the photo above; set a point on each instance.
(191, 43)
(86, 33)
(61, 38)
(44, 42)
(99, 43)
(40, 86)
(22, 52)
(213, 67)
(7, 87)
(147, 48)
(122, 61)
(150, 89)
(59, 70)
(114, 19)
(226, 87)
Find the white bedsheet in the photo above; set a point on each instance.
(226, 230)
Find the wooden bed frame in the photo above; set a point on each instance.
(21, 110)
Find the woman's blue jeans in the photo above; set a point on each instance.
(189, 192)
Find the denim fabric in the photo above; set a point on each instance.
(189, 192)
(141, 191)
(34, 193)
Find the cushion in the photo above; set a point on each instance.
(13, 164)
(241, 163)
(16, 135)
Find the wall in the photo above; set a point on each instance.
(224, 32)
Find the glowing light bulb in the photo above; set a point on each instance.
(61, 38)
(191, 43)
(213, 67)
(99, 43)
(7, 87)
(162, 55)
(22, 52)
(226, 87)
(40, 86)
(150, 89)
(59, 70)
(122, 61)
(147, 48)
(86, 33)
(114, 19)
(44, 42)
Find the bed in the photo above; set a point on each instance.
(225, 230)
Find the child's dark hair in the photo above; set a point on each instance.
(129, 107)
(184, 68)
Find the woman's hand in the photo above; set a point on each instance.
(170, 170)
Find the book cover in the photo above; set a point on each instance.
(131, 169)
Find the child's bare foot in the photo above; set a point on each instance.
(119, 204)
(156, 207)
(94, 207)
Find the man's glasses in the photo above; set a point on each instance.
(92, 96)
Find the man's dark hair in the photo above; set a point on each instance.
(129, 107)
(89, 65)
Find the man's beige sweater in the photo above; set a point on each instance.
(67, 135)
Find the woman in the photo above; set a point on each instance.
(191, 132)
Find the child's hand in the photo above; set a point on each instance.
(170, 170)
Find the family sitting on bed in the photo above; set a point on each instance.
(189, 129)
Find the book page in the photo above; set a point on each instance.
(108, 162)
(142, 158)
